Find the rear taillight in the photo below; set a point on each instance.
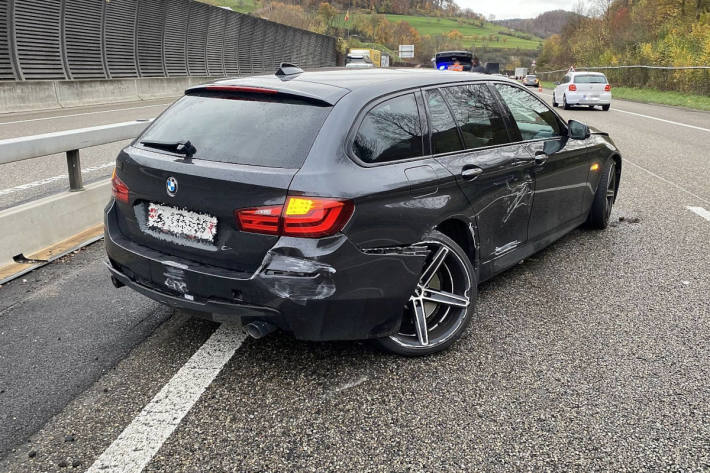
(118, 188)
(572, 88)
(607, 88)
(309, 217)
(260, 220)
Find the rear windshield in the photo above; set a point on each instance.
(595, 79)
(253, 129)
(531, 77)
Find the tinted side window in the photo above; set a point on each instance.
(390, 131)
(477, 116)
(444, 134)
(533, 118)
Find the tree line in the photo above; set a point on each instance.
(630, 32)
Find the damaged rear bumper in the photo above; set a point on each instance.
(316, 289)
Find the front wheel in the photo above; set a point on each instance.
(442, 304)
(604, 198)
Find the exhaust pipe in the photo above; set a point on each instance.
(259, 329)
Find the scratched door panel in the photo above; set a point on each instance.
(500, 195)
(560, 187)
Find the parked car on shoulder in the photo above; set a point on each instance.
(343, 205)
(531, 80)
(589, 89)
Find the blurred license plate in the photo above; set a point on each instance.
(184, 223)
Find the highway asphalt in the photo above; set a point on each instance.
(593, 355)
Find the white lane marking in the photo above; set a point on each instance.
(663, 120)
(141, 440)
(667, 181)
(49, 180)
(700, 211)
(613, 109)
(85, 113)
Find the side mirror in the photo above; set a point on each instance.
(557, 83)
(578, 130)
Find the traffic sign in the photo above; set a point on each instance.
(406, 51)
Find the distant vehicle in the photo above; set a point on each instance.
(531, 80)
(447, 59)
(323, 205)
(521, 72)
(374, 55)
(582, 88)
(358, 61)
(492, 68)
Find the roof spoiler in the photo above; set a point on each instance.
(258, 90)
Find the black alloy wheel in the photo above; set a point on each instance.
(442, 304)
(604, 198)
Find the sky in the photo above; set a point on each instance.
(503, 9)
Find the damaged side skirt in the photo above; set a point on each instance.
(410, 250)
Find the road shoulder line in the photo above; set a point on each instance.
(700, 211)
(136, 446)
(677, 186)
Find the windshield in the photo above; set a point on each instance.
(252, 129)
(590, 79)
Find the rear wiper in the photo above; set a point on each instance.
(179, 147)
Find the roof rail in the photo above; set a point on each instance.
(286, 69)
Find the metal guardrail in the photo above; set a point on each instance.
(69, 142)
(594, 68)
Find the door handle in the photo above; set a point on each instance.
(540, 157)
(471, 173)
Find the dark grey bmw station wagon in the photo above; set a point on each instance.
(340, 205)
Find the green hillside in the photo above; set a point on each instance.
(473, 34)
(242, 6)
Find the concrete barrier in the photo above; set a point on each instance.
(161, 87)
(34, 226)
(26, 96)
(77, 93)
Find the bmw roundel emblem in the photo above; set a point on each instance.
(171, 186)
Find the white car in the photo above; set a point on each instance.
(358, 61)
(582, 88)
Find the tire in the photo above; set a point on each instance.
(604, 198)
(606, 107)
(554, 102)
(428, 325)
(565, 105)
